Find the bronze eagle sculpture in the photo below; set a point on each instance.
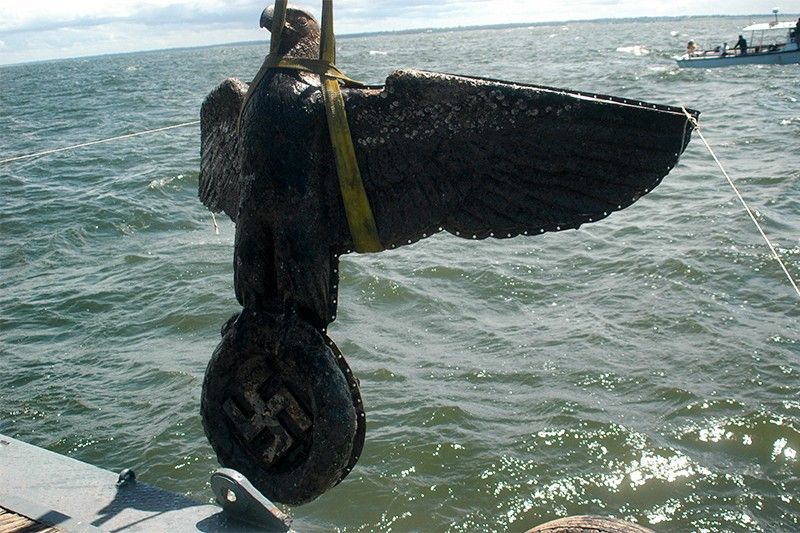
(475, 157)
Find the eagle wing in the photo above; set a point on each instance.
(220, 161)
(485, 158)
(475, 157)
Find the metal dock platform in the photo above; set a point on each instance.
(42, 491)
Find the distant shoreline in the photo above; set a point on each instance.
(512, 25)
(412, 31)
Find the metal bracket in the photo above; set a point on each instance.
(239, 498)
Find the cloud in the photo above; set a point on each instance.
(47, 29)
(48, 15)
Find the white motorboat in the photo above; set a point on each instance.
(771, 43)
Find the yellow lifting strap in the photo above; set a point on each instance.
(357, 208)
(356, 204)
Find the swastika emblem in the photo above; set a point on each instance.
(281, 406)
(266, 414)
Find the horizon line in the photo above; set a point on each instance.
(408, 31)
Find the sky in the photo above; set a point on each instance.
(34, 30)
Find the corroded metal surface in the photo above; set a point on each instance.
(478, 158)
(278, 407)
(475, 157)
(358, 405)
(218, 183)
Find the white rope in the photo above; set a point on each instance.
(693, 120)
(53, 151)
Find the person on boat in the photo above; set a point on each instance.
(723, 50)
(797, 32)
(741, 44)
(692, 49)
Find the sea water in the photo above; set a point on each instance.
(645, 366)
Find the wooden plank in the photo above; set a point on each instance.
(589, 524)
(13, 523)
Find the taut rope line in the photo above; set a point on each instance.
(741, 199)
(55, 150)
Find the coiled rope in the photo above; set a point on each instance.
(110, 139)
(693, 120)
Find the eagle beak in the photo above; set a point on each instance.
(266, 18)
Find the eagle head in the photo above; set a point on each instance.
(301, 33)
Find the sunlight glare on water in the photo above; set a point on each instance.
(643, 367)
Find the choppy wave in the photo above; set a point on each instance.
(643, 367)
(636, 50)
